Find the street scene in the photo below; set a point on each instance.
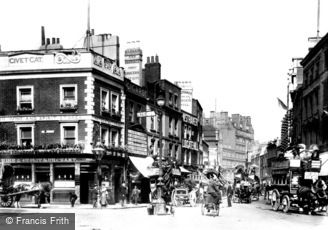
(182, 114)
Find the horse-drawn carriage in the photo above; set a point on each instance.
(245, 186)
(293, 186)
(10, 193)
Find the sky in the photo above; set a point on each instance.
(237, 53)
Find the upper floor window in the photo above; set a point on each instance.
(25, 135)
(25, 97)
(176, 127)
(114, 103)
(152, 123)
(104, 135)
(170, 98)
(104, 100)
(114, 137)
(139, 109)
(176, 100)
(68, 133)
(131, 111)
(68, 95)
(170, 126)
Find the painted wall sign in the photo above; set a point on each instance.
(137, 142)
(45, 160)
(25, 59)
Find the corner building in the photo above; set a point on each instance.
(55, 106)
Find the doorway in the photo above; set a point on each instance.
(87, 181)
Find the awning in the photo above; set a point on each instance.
(143, 165)
(183, 170)
(324, 164)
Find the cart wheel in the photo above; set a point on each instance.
(275, 200)
(6, 201)
(285, 202)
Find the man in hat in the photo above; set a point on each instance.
(94, 196)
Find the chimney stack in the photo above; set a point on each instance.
(43, 39)
(152, 70)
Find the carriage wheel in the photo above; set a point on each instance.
(275, 200)
(285, 202)
(6, 201)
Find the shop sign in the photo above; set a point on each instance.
(25, 59)
(64, 184)
(45, 160)
(189, 144)
(176, 172)
(189, 119)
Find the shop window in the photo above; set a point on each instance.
(69, 134)
(25, 100)
(25, 135)
(68, 96)
(63, 172)
(23, 173)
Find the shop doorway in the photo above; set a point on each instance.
(87, 181)
(118, 179)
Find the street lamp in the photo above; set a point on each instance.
(99, 152)
(160, 208)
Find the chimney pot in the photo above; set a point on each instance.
(43, 39)
(48, 41)
(156, 59)
(53, 40)
(148, 59)
(152, 59)
(58, 41)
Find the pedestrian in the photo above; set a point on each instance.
(94, 196)
(103, 196)
(135, 195)
(229, 194)
(123, 193)
(72, 198)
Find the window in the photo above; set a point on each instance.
(114, 137)
(176, 100)
(104, 100)
(25, 135)
(114, 101)
(159, 123)
(170, 98)
(176, 127)
(152, 123)
(68, 95)
(25, 97)
(139, 109)
(104, 136)
(131, 111)
(69, 134)
(170, 126)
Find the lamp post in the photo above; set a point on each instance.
(98, 151)
(160, 208)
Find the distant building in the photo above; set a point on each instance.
(133, 64)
